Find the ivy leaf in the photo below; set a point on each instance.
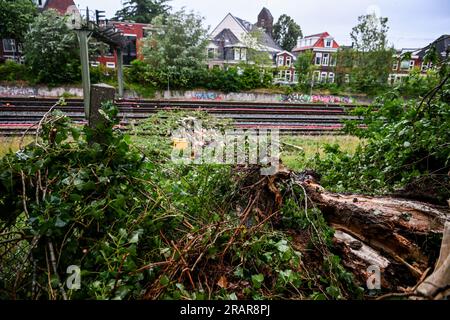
(257, 280)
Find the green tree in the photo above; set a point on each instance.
(372, 58)
(15, 18)
(286, 32)
(142, 11)
(51, 50)
(256, 52)
(305, 68)
(178, 48)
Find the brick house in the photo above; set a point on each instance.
(12, 50)
(134, 32)
(324, 49)
(285, 64)
(406, 60)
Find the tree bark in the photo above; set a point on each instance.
(397, 235)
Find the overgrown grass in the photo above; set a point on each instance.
(298, 150)
(11, 143)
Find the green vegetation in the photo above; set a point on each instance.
(405, 141)
(298, 152)
(16, 16)
(51, 50)
(141, 227)
(12, 144)
(177, 50)
(286, 32)
(142, 11)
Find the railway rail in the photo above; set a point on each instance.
(19, 114)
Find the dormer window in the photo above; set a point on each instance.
(328, 43)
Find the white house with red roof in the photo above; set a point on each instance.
(324, 49)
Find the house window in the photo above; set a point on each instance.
(111, 65)
(424, 66)
(326, 59)
(95, 64)
(404, 65)
(332, 60)
(280, 60)
(211, 53)
(288, 61)
(295, 76)
(328, 43)
(347, 78)
(318, 58)
(288, 76)
(243, 54)
(395, 65)
(240, 54)
(331, 77)
(323, 77)
(411, 64)
(9, 45)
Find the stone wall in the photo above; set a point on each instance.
(194, 95)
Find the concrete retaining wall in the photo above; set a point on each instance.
(195, 95)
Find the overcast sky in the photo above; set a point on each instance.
(413, 23)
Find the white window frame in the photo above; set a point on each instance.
(111, 65)
(404, 65)
(295, 76)
(95, 64)
(425, 66)
(332, 60)
(331, 77)
(326, 59)
(11, 43)
(323, 76)
(395, 65)
(208, 50)
(287, 76)
(280, 60)
(328, 41)
(288, 61)
(318, 58)
(243, 54)
(412, 64)
(347, 78)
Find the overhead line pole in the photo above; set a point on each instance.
(83, 38)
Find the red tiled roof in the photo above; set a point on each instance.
(59, 5)
(320, 43)
(321, 35)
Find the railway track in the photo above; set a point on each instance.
(19, 114)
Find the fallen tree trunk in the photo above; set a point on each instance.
(400, 237)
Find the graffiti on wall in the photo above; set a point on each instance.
(11, 91)
(306, 98)
(17, 91)
(203, 95)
